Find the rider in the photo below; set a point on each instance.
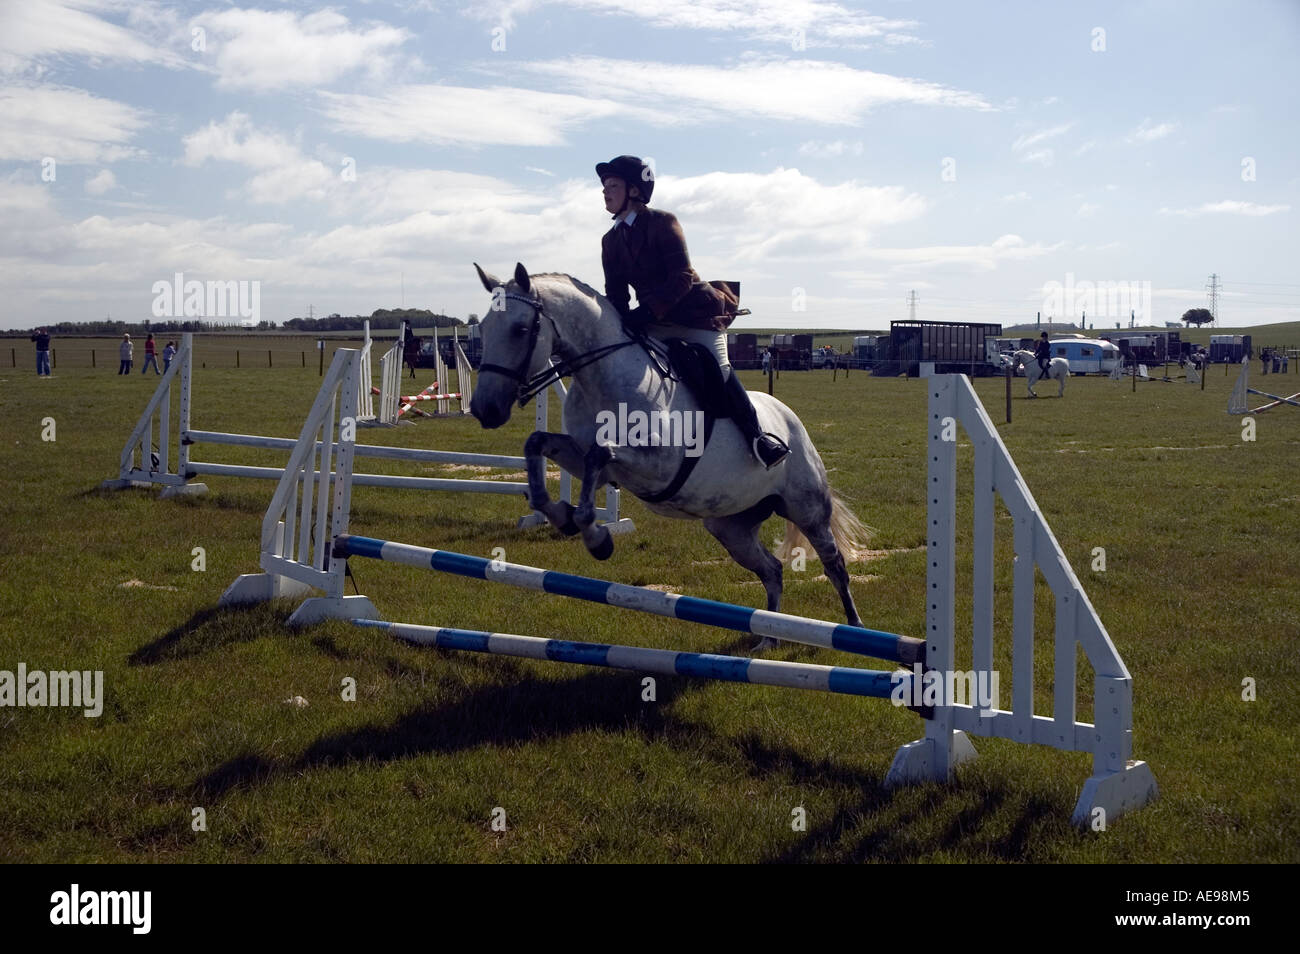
(1043, 352)
(647, 250)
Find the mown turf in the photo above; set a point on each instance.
(1199, 593)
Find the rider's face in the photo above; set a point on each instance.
(615, 190)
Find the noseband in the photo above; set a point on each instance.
(518, 374)
(527, 388)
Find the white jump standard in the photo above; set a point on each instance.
(1239, 403)
(305, 543)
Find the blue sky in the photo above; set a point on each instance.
(832, 157)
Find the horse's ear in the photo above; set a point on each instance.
(521, 278)
(488, 281)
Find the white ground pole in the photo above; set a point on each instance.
(146, 458)
(1118, 783)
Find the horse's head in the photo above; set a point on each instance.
(517, 344)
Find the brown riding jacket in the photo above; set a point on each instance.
(650, 256)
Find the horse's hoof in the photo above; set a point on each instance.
(604, 548)
(766, 643)
(569, 527)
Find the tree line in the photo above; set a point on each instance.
(382, 318)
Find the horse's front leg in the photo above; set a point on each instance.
(598, 539)
(564, 450)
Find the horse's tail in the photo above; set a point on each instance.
(851, 534)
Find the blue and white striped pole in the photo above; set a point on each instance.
(760, 672)
(745, 619)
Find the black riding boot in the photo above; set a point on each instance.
(769, 449)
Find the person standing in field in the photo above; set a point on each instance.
(125, 352)
(42, 339)
(169, 352)
(150, 355)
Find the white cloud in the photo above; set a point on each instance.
(69, 125)
(283, 172)
(101, 182)
(465, 116)
(33, 32)
(1087, 210)
(1032, 139)
(1044, 155)
(784, 214)
(540, 171)
(1006, 248)
(264, 50)
(1090, 144)
(823, 23)
(1016, 197)
(775, 88)
(1229, 207)
(1146, 132)
(828, 150)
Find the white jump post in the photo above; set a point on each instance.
(365, 400)
(1117, 785)
(390, 379)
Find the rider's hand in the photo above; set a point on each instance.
(638, 316)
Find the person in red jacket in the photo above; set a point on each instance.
(150, 355)
(645, 252)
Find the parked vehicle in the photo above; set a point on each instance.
(1088, 355)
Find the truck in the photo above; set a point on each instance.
(955, 347)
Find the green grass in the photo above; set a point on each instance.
(1199, 593)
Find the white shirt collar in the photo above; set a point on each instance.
(629, 219)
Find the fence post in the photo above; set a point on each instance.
(236, 357)
(92, 357)
(268, 358)
(1008, 376)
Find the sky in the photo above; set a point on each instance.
(998, 160)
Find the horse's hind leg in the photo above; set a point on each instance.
(816, 526)
(738, 533)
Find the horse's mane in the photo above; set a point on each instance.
(575, 282)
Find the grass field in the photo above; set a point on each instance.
(1199, 593)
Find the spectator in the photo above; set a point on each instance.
(1263, 356)
(150, 355)
(1284, 364)
(42, 339)
(169, 352)
(1277, 362)
(125, 351)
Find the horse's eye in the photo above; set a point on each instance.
(519, 331)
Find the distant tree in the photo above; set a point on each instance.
(472, 320)
(1198, 316)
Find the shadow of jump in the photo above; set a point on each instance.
(527, 709)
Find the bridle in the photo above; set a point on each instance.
(527, 388)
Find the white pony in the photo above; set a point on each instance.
(533, 318)
(1058, 369)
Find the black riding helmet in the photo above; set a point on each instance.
(632, 171)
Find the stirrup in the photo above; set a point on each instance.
(784, 451)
